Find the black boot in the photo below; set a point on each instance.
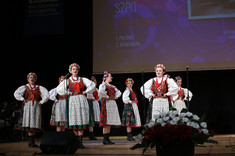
(31, 142)
(130, 137)
(106, 140)
(80, 145)
(92, 136)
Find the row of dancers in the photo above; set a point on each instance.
(76, 103)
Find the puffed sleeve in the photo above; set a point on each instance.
(186, 92)
(90, 85)
(44, 94)
(62, 88)
(146, 89)
(125, 97)
(172, 87)
(90, 96)
(118, 93)
(53, 94)
(102, 92)
(19, 93)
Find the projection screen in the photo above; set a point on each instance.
(135, 35)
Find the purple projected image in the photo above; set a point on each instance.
(204, 9)
(139, 34)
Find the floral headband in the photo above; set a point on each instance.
(61, 78)
(106, 74)
(129, 80)
(93, 78)
(160, 66)
(72, 65)
(178, 78)
(31, 73)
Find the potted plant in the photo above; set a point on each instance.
(175, 134)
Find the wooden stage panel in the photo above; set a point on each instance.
(121, 148)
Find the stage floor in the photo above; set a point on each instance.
(121, 148)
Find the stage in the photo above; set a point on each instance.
(121, 148)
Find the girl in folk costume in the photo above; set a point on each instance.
(183, 93)
(109, 115)
(78, 108)
(130, 115)
(58, 109)
(94, 109)
(31, 119)
(158, 90)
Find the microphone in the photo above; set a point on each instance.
(187, 67)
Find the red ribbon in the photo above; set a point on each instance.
(32, 96)
(77, 87)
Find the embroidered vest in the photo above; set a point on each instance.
(111, 92)
(95, 95)
(132, 96)
(181, 94)
(76, 87)
(159, 89)
(32, 94)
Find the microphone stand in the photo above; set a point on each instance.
(143, 96)
(187, 72)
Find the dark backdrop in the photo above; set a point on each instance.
(50, 55)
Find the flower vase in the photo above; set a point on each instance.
(185, 148)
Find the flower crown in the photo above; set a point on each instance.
(31, 73)
(178, 78)
(160, 66)
(129, 80)
(93, 78)
(106, 74)
(72, 65)
(62, 77)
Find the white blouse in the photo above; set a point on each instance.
(126, 96)
(62, 87)
(172, 87)
(90, 95)
(19, 93)
(103, 93)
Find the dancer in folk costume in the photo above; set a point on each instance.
(31, 108)
(78, 108)
(58, 109)
(109, 115)
(130, 115)
(183, 94)
(158, 90)
(94, 109)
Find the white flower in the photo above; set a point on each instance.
(163, 124)
(182, 114)
(159, 120)
(150, 124)
(166, 118)
(172, 122)
(205, 131)
(175, 112)
(195, 117)
(172, 115)
(189, 114)
(195, 125)
(204, 125)
(176, 119)
(185, 119)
